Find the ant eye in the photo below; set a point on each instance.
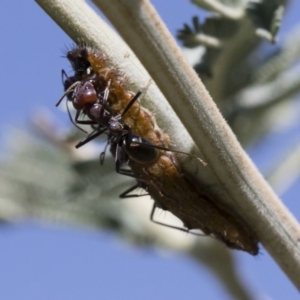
(83, 95)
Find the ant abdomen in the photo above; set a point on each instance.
(140, 150)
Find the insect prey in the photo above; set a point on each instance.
(100, 93)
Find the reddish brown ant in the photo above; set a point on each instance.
(124, 144)
(88, 102)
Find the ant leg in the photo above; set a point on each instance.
(163, 224)
(126, 194)
(90, 137)
(68, 91)
(65, 75)
(118, 164)
(102, 154)
(134, 98)
(76, 117)
(67, 82)
(169, 150)
(83, 122)
(86, 122)
(171, 226)
(124, 171)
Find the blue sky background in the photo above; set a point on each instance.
(38, 261)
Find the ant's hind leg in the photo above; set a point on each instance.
(171, 226)
(126, 194)
(123, 171)
(119, 160)
(163, 224)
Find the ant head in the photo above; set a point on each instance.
(80, 93)
(79, 62)
(84, 94)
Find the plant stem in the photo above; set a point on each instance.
(238, 178)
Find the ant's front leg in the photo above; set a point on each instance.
(91, 136)
(68, 81)
(132, 101)
(83, 122)
(95, 133)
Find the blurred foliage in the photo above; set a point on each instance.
(45, 177)
(232, 66)
(253, 80)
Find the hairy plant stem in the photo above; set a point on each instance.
(239, 181)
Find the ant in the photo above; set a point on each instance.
(95, 106)
(125, 145)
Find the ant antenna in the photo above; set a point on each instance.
(170, 150)
(63, 73)
(129, 105)
(71, 119)
(70, 89)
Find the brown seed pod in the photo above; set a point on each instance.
(97, 80)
